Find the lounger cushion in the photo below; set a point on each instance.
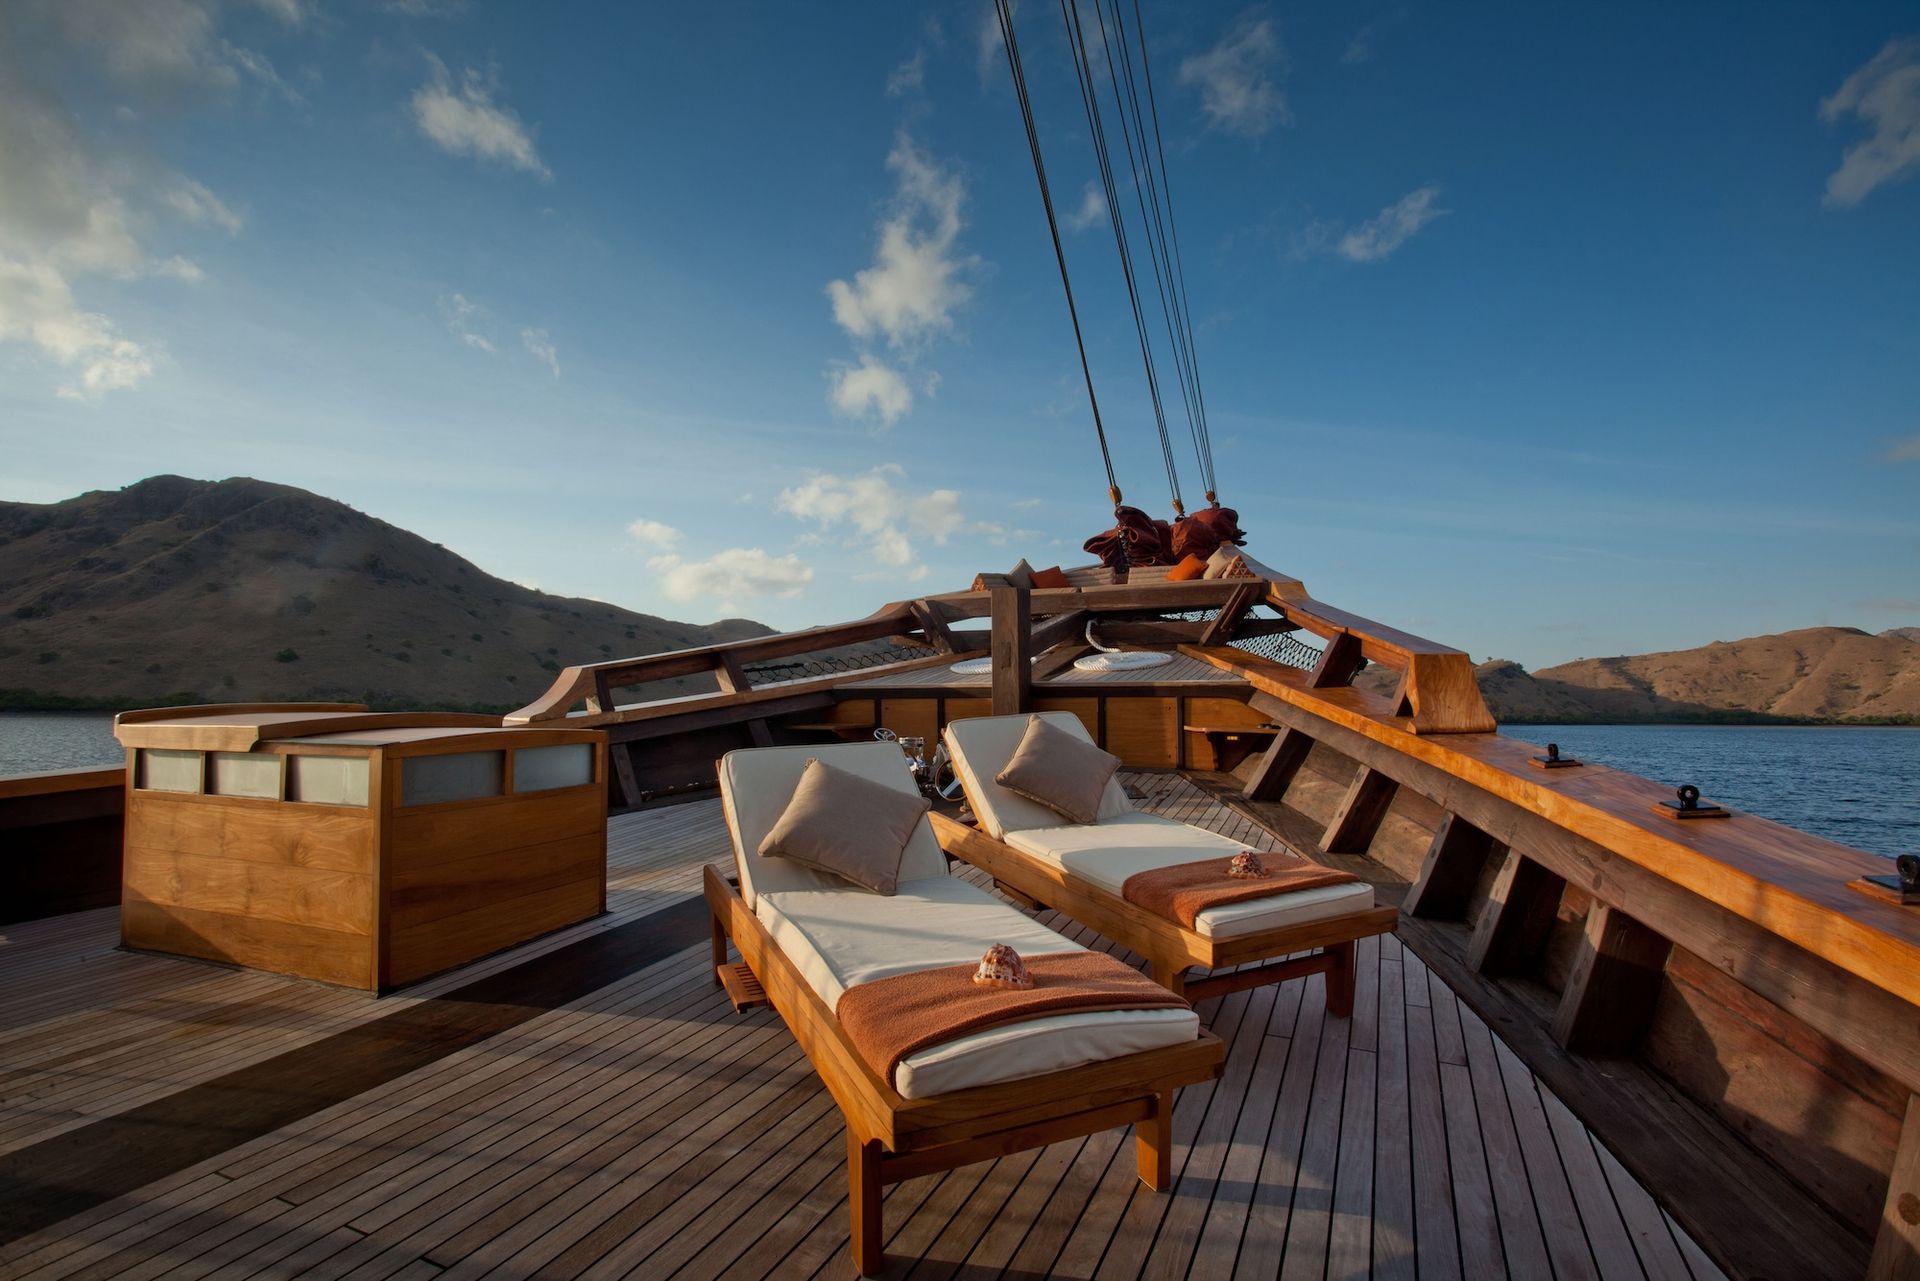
(1059, 770)
(1108, 852)
(846, 825)
(837, 938)
(981, 746)
(757, 783)
(1221, 562)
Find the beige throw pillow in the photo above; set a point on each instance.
(846, 826)
(1053, 768)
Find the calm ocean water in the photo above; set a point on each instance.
(1858, 786)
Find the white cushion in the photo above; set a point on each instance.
(756, 784)
(981, 746)
(838, 938)
(1108, 852)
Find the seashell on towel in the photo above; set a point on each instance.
(1002, 967)
(1246, 866)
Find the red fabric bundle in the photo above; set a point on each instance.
(1146, 541)
(1202, 533)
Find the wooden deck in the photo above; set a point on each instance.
(589, 1105)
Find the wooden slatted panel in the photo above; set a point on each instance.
(636, 1131)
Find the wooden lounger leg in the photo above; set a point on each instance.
(863, 1201)
(1340, 980)
(1170, 976)
(719, 949)
(1153, 1144)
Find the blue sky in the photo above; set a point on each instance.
(1544, 332)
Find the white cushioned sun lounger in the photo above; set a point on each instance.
(1080, 868)
(806, 937)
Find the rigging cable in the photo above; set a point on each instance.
(1179, 265)
(1180, 316)
(1012, 46)
(1146, 189)
(1090, 101)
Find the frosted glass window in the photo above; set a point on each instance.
(541, 769)
(464, 776)
(246, 774)
(165, 769)
(327, 780)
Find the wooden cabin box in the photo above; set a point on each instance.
(361, 849)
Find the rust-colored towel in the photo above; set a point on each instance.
(890, 1018)
(1185, 890)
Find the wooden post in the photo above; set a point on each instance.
(1519, 913)
(933, 622)
(1896, 1247)
(1153, 1144)
(1283, 759)
(1352, 826)
(1454, 861)
(719, 943)
(1608, 1000)
(863, 1203)
(1012, 650)
(731, 676)
(1339, 662)
(1341, 979)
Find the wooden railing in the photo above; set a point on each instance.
(60, 841)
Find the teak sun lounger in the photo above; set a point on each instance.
(805, 937)
(1078, 870)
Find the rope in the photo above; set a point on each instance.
(1146, 188)
(1090, 101)
(1169, 238)
(1012, 45)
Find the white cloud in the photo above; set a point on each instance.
(1236, 79)
(738, 573)
(195, 204)
(882, 516)
(872, 389)
(1905, 451)
(178, 268)
(1394, 226)
(541, 348)
(654, 535)
(464, 120)
(1885, 95)
(461, 314)
(167, 45)
(1360, 48)
(909, 77)
(1093, 209)
(989, 47)
(914, 287)
(37, 307)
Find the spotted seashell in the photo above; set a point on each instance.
(1002, 967)
(1246, 866)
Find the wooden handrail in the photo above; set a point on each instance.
(1785, 881)
(574, 684)
(49, 782)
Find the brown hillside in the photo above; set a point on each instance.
(1816, 673)
(175, 590)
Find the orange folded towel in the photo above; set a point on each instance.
(1185, 890)
(890, 1018)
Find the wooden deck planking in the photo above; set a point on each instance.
(631, 1132)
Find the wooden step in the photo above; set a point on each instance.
(743, 988)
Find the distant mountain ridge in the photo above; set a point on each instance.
(1816, 674)
(176, 590)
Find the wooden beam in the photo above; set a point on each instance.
(1519, 913)
(1281, 761)
(1353, 824)
(1012, 649)
(1059, 628)
(731, 675)
(1180, 631)
(1896, 1246)
(1610, 993)
(1452, 867)
(933, 622)
(1059, 659)
(1339, 662)
(1220, 627)
(626, 784)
